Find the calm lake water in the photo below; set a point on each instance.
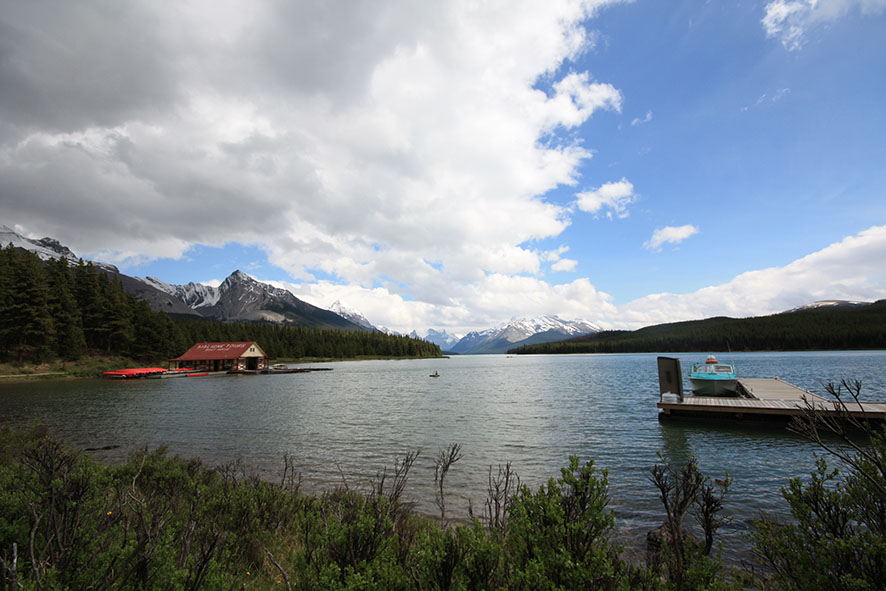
(531, 411)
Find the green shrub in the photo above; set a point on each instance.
(837, 537)
(559, 536)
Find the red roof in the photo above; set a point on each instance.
(211, 351)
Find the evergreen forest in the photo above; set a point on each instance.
(849, 327)
(53, 310)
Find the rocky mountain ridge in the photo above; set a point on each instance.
(352, 315)
(242, 298)
(238, 298)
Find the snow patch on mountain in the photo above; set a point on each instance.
(348, 313)
(827, 304)
(194, 295)
(543, 329)
(441, 338)
(45, 248)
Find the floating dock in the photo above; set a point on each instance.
(769, 399)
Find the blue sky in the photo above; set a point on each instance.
(453, 166)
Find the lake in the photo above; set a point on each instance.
(532, 411)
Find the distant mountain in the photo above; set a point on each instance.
(45, 248)
(238, 298)
(823, 327)
(442, 338)
(242, 298)
(193, 295)
(352, 315)
(827, 304)
(522, 332)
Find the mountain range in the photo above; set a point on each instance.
(519, 332)
(242, 298)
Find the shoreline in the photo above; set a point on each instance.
(92, 367)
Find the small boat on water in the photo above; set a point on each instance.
(434, 375)
(713, 378)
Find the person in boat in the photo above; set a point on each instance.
(435, 374)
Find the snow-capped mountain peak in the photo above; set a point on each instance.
(348, 313)
(45, 248)
(827, 304)
(194, 295)
(442, 338)
(537, 330)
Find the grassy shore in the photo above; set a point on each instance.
(85, 367)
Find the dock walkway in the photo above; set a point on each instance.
(762, 399)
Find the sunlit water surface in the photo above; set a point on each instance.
(535, 411)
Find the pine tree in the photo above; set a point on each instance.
(32, 330)
(70, 343)
(6, 299)
(118, 313)
(90, 298)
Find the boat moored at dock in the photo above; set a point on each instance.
(756, 399)
(713, 378)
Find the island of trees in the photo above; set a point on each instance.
(52, 310)
(816, 329)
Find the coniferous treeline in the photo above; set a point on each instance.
(831, 328)
(54, 310)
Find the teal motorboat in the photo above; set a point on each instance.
(713, 378)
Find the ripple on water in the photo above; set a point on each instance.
(534, 412)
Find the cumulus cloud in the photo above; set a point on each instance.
(789, 20)
(564, 265)
(352, 143)
(467, 306)
(669, 235)
(851, 269)
(613, 198)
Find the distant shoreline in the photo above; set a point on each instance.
(92, 367)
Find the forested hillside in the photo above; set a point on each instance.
(50, 310)
(831, 328)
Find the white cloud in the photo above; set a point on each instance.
(640, 120)
(468, 306)
(789, 20)
(354, 142)
(669, 235)
(554, 255)
(613, 197)
(851, 269)
(564, 265)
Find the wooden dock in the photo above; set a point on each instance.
(763, 399)
(758, 399)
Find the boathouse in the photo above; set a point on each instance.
(222, 357)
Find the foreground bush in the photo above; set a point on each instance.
(159, 522)
(837, 537)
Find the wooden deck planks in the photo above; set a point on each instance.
(764, 398)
